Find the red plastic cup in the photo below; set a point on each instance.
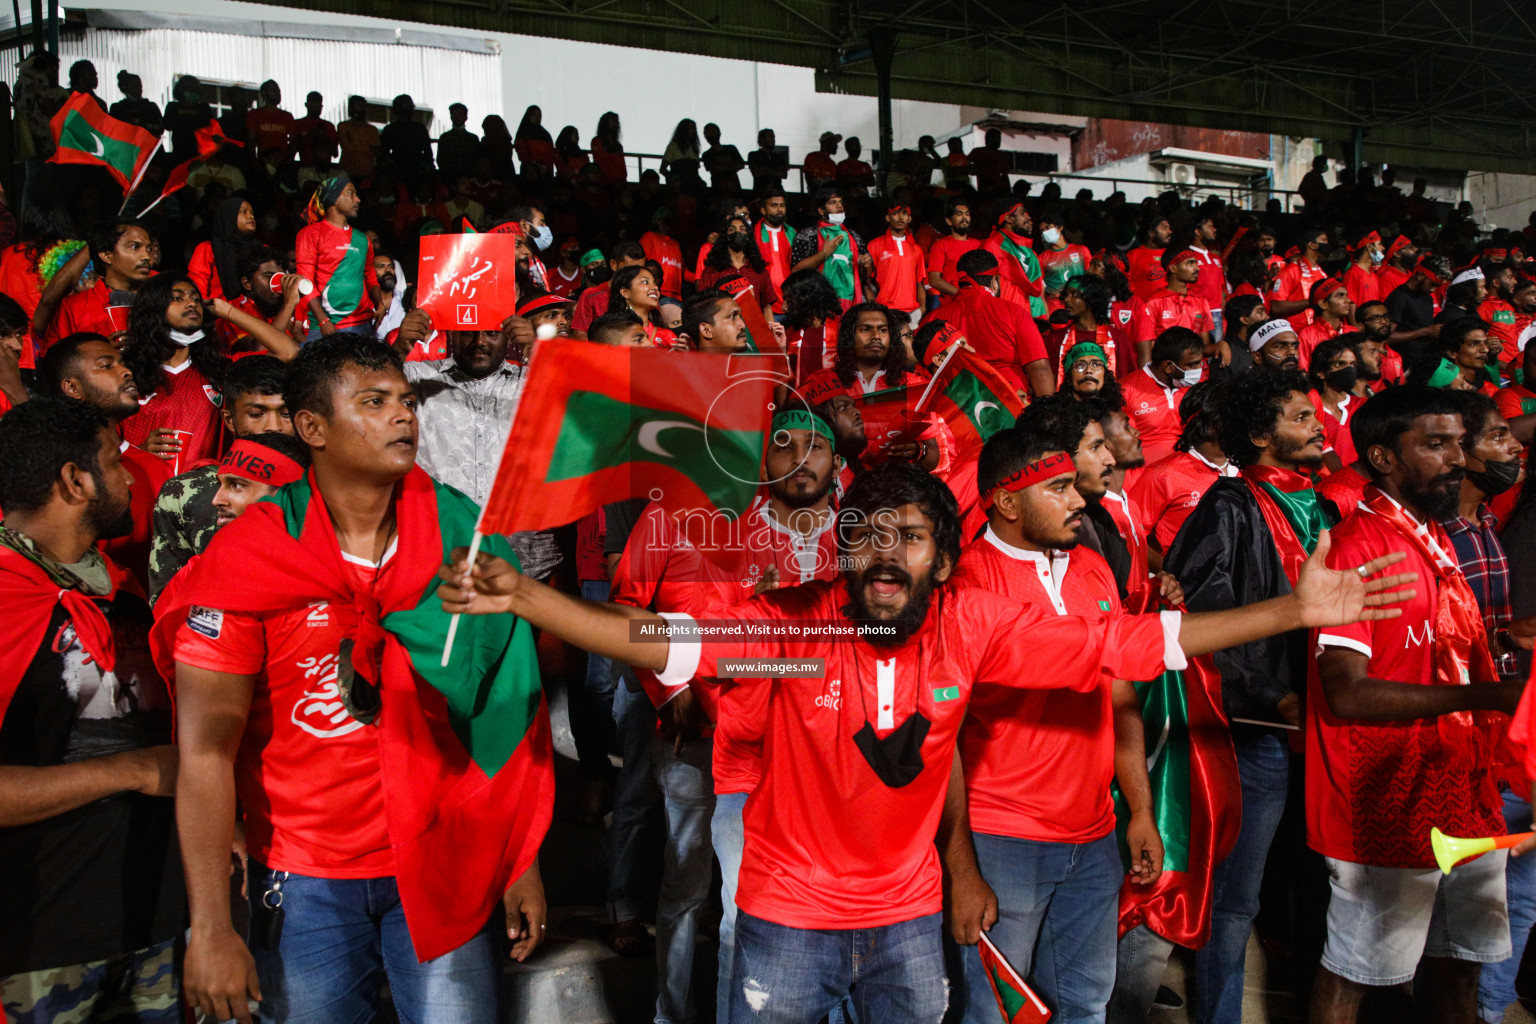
(185, 437)
(276, 283)
(118, 315)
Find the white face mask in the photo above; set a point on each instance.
(835, 218)
(1050, 236)
(543, 236)
(1377, 255)
(185, 340)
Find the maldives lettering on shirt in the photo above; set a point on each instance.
(1295, 280)
(1168, 490)
(829, 845)
(1155, 411)
(185, 400)
(340, 263)
(1375, 788)
(307, 774)
(1039, 763)
(899, 263)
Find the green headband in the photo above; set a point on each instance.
(592, 256)
(1445, 374)
(800, 419)
(1086, 348)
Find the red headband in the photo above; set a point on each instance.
(1327, 286)
(1004, 215)
(1427, 272)
(540, 304)
(817, 390)
(903, 207)
(1033, 473)
(257, 462)
(1111, 259)
(1186, 254)
(1374, 236)
(1496, 255)
(1397, 243)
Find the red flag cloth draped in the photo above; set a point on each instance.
(1292, 554)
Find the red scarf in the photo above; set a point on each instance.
(1292, 554)
(1460, 654)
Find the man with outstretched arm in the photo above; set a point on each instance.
(853, 900)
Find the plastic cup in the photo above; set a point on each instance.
(118, 315)
(185, 437)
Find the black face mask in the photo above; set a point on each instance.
(1496, 477)
(774, 218)
(736, 241)
(1343, 379)
(897, 759)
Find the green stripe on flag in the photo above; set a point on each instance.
(600, 432)
(1165, 720)
(77, 134)
(979, 404)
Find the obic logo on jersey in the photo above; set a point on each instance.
(833, 698)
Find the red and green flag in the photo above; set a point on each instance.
(1195, 801)
(465, 753)
(760, 337)
(598, 424)
(83, 133)
(974, 399)
(1016, 1000)
(890, 418)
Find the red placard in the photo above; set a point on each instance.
(468, 282)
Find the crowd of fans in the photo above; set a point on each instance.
(1206, 390)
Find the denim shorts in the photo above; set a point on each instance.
(1382, 921)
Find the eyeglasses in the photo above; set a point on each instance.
(1084, 365)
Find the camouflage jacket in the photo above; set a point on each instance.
(184, 521)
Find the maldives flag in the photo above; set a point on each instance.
(974, 399)
(889, 419)
(1015, 998)
(1196, 803)
(85, 134)
(598, 423)
(760, 337)
(210, 137)
(465, 755)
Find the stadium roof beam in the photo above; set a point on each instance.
(1425, 82)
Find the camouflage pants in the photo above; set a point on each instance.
(142, 987)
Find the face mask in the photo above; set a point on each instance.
(1377, 256)
(1344, 379)
(774, 218)
(736, 241)
(897, 759)
(1496, 477)
(184, 340)
(835, 218)
(1050, 236)
(1184, 378)
(543, 236)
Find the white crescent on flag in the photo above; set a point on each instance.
(649, 433)
(976, 412)
(101, 147)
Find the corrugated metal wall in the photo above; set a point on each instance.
(433, 77)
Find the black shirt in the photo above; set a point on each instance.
(1410, 311)
(103, 879)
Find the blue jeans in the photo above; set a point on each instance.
(342, 938)
(1496, 991)
(789, 975)
(591, 704)
(688, 797)
(1057, 911)
(1263, 770)
(1141, 958)
(634, 796)
(729, 836)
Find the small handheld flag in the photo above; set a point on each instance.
(83, 133)
(1016, 1000)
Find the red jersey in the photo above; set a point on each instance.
(899, 270)
(590, 305)
(669, 254)
(560, 284)
(1515, 400)
(1314, 334)
(339, 261)
(1064, 338)
(1131, 325)
(82, 311)
(1002, 332)
(184, 401)
(1155, 411)
(1211, 285)
(829, 844)
(942, 257)
(1039, 763)
(1500, 318)
(1363, 285)
(19, 277)
(1295, 280)
(819, 167)
(774, 243)
(150, 472)
(1167, 491)
(307, 773)
(269, 128)
(1375, 788)
(1247, 289)
(1389, 278)
(201, 269)
(1146, 271)
(1344, 488)
(1336, 428)
(1058, 266)
(1169, 308)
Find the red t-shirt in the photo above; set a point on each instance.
(941, 260)
(899, 270)
(1515, 400)
(1211, 286)
(560, 285)
(81, 311)
(184, 401)
(269, 128)
(590, 305)
(1376, 788)
(1131, 326)
(1039, 763)
(1146, 271)
(1173, 309)
(1155, 411)
(829, 845)
(1336, 428)
(1002, 332)
(1247, 289)
(1389, 279)
(307, 773)
(1295, 280)
(669, 254)
(1123, 511)
(1313, 335)
(1167, 491)
(1363, 285)
(1500, 318)
(763, 293)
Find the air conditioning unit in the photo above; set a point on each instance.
(1182, 174)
